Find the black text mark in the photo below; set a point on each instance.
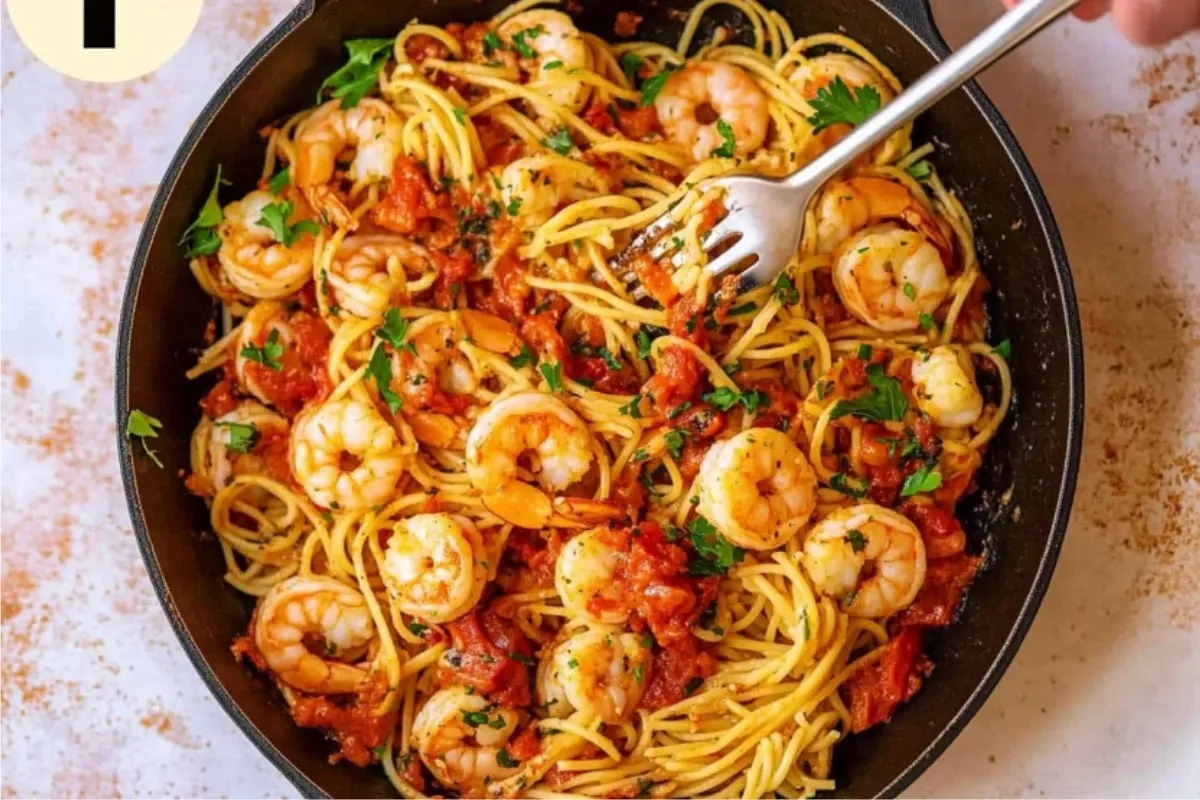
(99, 23)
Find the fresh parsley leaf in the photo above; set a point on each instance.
(553, 375)
(785, 290)
(865, 351)
(837, 103)
(727, 148)
(380, 368)
(474, 718)
(1004, 349)
(358, 76)
(556, 64)
(884, 401)
(926, 479)
(610, 360)
(693, 685)
(679, 409)
(630, 64)
(201, 236)
(514, 207)
(927, 322)
(638, 674)
(417, 628)
(839, 482)
(560, 142)
(268, 355)
(807, 627)
(275, 216)
(521, 46)
(725, 398)
(505, 760)
(572, 664)
(460, 114)
(521, 359)
(744, 308)
(633, 408)
(144, 426)
(920, 171)
(645, 335)
(909, 291)
(492, 43)
(673, 440)
(394, 329)
(652, 86)
(280, 181)
(856, 540)
(715, 555)
(242, 436)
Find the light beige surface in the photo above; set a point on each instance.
(98, 698)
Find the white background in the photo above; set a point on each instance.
(98, 698)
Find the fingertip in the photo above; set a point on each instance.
(1091, 10)
(1154, 22)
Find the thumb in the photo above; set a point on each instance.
(1151, 22)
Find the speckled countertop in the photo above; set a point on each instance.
(98, 698)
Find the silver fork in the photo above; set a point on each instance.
(764, 218)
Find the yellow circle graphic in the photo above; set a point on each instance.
(104, 41)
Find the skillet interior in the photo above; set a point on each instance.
(1033, 305)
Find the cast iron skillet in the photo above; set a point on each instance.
(1037, 452)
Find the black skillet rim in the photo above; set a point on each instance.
(916, 18)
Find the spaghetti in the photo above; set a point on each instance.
(518, 529)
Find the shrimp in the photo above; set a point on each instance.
(535, 186)
(459, 737)
(705, 103)
(368, 274)
(232, 444)
(526, 423)
(251, 258)
(817, 73)
(551, 36)
(436, 378)
(890, 278)
(585, 570)
(372, 128)
(302, 608)
(945, 388)
(599, 673)
(280, 356)
(434, 566)
(757, 488)
(345, 454)
(846, 207)
(872, 558)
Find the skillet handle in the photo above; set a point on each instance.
(917, 16)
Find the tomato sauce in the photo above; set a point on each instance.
(941, 531)
(677, 672)
(302, 376)
(410, 200)
(686, 320)
(491, 655)
(677, 379)
(946, 580)
(655, 279)
(873, 692)
(356, 728)
(221, 398)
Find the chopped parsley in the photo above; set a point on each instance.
(652, 86)
(380, 368)
(275, 216)
(865, 351)
(679, 409)
(514, 207)
(201, 236)
(1004, 349)
(572, 664)
(837, 103)
(560, 142)
(921, 170)
(633, 408)
(630, 64)
(645, 335)
(926, 479)
(521, 46)
(885, 400)
(927, 322)
(638, 673)
(673, 440)
(417, 629)
(268, 355)
(840, 483)
(909, 291)
(394, 329)
(280, 181)
(714, 554)
(492, 43)
(242, 436)
(725, 398)
(144, 426)
(693, 685)
(726, 150)
(785, 291)
(553, 375)
(474, 718)
(505, 760)
(521, 359)
(460, 114)
(856, 540)
(556, 64)
(358, 76)
(744, 308)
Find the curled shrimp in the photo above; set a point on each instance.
(345, 454)
(536, 186)
(372, 128)
(368, 273)
(598, 673)
(890, 278)
(459, 736)
(433, 567)
(242, 442)
(435, 376)
(705, 103)
(869, 557)
(252, 259)
(846, 207)
(551, 36)
(757, 488)
(299, 609)
(530, 424)
(945, 389)
(584, 572)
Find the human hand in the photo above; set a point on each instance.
(1142, 21)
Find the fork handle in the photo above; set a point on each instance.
(995, 41)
